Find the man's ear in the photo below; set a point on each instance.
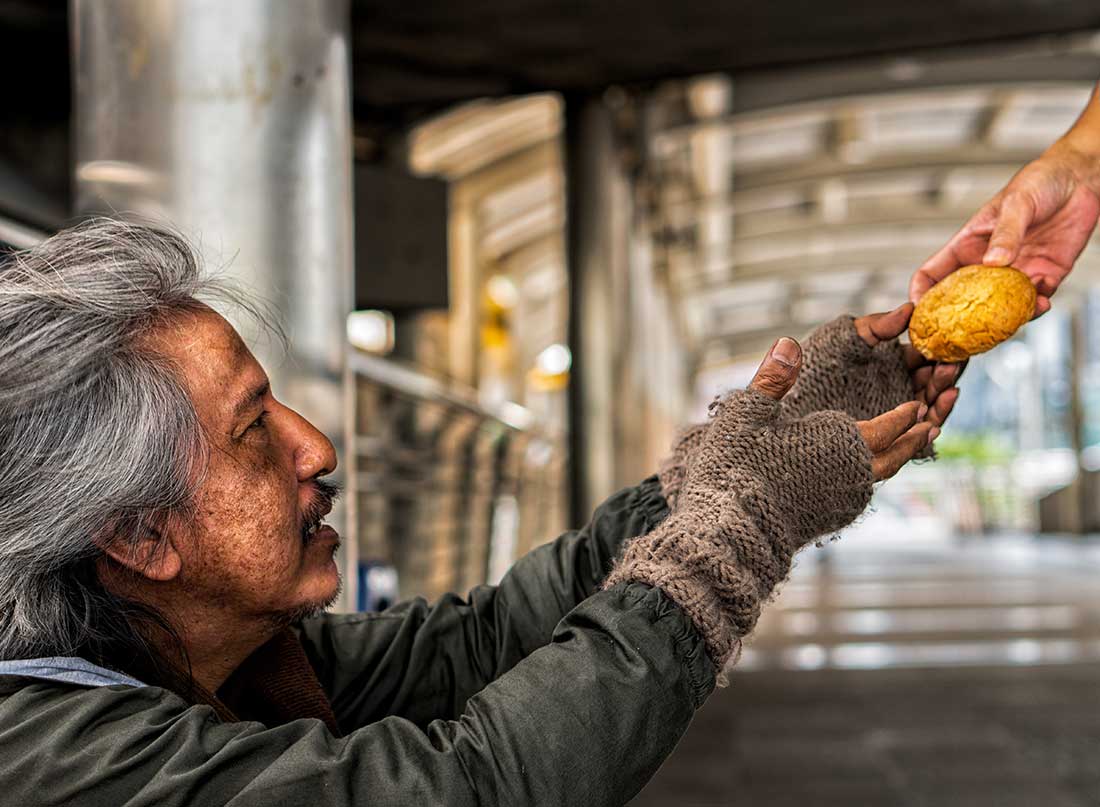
(153, 556)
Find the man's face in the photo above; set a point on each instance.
(247, 550)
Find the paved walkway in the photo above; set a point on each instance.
(943, 675)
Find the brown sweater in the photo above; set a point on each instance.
(275, 685)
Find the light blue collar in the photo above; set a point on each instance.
(69, 669)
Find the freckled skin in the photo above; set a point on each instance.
(242, 563)
(246, 548)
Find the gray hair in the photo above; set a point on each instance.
(99, 440)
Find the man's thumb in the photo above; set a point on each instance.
(779, 370)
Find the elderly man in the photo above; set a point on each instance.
(164, 565)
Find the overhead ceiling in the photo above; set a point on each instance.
(412, 59)
(415, 57)
(771, 222)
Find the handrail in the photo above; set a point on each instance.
(417, 384)
(19, 235)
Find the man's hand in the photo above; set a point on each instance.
(894, 437)
(1039, 223)
(933, 382)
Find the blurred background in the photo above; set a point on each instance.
(517, 244)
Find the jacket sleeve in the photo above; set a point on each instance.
(422, 661)
(583, 721)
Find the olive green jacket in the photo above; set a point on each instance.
(539, 691)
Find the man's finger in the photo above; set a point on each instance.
(1045, 285)
(942, 406)
(880, 433)
(889, 462)
(913, 358)
(876, 328)
(779, 370)
(921, 378)
(1042, 305)
(944, 375)
(1017, 211)
(930, 381)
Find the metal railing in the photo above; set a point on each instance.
(444, 490)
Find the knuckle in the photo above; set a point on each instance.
(873, 436)
(917, 441)
(1015, 195)
(772, 377)
(898, 423)
(911, 414)
(886, 418)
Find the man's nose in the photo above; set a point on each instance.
(314, 454)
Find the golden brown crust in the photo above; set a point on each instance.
(971, 311)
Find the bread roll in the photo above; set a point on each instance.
(970, 311)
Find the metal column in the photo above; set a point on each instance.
(590, 248)
(628, 384)
(232, 120)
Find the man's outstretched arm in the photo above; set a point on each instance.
(423, 661)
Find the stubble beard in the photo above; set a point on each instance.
(309, 610)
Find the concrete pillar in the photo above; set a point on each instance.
(628, 383)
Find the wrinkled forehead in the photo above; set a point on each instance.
(216, 365)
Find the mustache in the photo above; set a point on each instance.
(325, 494)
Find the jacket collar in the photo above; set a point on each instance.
(67, 669)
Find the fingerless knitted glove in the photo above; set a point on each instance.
(839, 371)
(673, 470)
(757, 489)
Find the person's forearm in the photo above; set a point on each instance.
(673, 470)
(553, 579)
(426, 661)
(758, 489)
(586, 720)
(1079, 147)
(1084, 135)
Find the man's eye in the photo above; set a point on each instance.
(259, 422)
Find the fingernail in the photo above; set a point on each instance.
(995, 255)
(932, 435)
(922, 411)
(786, 351)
